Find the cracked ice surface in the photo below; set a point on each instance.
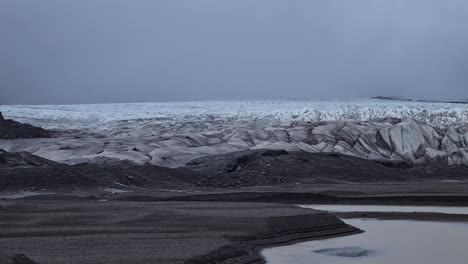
(172, 134)
(264, 112)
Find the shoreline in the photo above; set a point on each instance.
(432, 217)
(228, 230)
(252, 247)
(55, 231)
(296, 198)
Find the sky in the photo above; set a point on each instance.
(102, 51)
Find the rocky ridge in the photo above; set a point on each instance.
(10, 129)
(26, 172)
(278, 167)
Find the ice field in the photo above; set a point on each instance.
(171, 134)
(264, 112)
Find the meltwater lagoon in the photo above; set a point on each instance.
(383, 242)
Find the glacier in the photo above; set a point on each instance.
(173, 133)
(264, 112)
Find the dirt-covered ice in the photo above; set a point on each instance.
(172, 134)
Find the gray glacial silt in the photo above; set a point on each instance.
(172, 134)
(388, 208)
(383, 242)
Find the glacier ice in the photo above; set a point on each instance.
(171, 134)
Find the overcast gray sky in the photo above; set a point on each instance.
(88, 51)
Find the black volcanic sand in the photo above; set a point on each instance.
(90, 231)
(198, 227)
(221, 209)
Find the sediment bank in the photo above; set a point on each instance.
(90, 231)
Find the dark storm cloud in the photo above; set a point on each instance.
(68, 51)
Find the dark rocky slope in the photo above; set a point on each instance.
(270, 167)
(10, 129)
(24, 171)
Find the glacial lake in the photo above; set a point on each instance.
(384, 241)
(388, 208)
